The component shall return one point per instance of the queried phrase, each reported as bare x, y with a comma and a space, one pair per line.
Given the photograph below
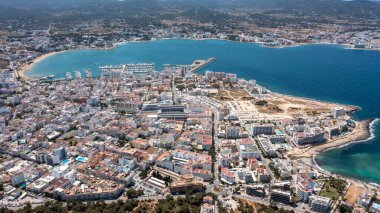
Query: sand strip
24, 69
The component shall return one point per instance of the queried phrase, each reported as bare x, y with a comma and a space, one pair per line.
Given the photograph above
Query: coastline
362, 132
314, 163
311, 161
350, 108
366, 135
25, 68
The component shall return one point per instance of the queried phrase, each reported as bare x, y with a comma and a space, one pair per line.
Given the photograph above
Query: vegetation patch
333, 188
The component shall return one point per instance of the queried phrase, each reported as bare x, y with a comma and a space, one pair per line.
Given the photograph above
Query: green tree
132, 193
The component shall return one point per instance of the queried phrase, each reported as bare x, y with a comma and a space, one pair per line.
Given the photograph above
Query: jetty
199, 64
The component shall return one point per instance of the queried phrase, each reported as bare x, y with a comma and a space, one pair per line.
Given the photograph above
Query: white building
365, 198
17, 178
283, 167
233, 132
40, 184
319, 203
249, 151
309, 136
266, 129
61, 153
338, 112
232, 77
228, 176
375, 207
245, 175
267, 146
60, 171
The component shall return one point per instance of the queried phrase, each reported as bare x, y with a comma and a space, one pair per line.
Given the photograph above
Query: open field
248, 110
296, 106
331, 193
247, 202
3, 63
333, 188
232, 95
353, 193
277, 107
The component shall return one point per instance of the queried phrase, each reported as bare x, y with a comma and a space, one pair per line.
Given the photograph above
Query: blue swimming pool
376, 206
66, 161
82, 159
23, 185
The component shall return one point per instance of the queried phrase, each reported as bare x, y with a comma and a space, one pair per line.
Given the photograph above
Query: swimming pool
278, 132
23, 185
376, 206
82, 159
66, 161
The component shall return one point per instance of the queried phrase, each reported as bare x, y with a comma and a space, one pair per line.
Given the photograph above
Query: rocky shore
362, 132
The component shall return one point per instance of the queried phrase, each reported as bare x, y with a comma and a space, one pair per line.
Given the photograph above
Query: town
22, 48
136, 132
21, 41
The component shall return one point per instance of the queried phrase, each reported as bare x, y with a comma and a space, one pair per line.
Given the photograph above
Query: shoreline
348, 178
363, 132
350, 108
25, 68
369, 135
312, 162
366, 136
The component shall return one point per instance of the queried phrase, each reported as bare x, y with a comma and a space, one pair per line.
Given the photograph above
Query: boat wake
375, 184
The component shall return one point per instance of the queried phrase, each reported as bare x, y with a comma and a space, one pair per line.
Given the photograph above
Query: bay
324, 72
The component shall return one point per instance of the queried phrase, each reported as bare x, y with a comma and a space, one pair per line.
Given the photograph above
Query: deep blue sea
325, 72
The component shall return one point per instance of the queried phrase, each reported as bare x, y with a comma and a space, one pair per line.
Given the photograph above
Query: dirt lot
251, 203
232, 95
352, 193
270, 108
237, 93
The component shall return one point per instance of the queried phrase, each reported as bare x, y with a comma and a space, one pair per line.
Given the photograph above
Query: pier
199, 64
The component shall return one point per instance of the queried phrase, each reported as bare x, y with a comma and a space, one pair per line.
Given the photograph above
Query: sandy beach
23, 70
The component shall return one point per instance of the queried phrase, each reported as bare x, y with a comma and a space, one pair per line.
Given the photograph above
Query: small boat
68, 75
88, 73
77, 74
50, 76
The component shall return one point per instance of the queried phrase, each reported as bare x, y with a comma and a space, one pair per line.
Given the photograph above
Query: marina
324, 72
199, 64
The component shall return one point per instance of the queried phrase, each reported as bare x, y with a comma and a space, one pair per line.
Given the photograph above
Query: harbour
326, 72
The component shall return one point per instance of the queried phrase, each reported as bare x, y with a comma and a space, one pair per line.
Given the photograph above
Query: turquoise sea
325, 72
